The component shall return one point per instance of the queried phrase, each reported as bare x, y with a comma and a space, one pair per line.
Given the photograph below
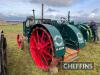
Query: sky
81, 10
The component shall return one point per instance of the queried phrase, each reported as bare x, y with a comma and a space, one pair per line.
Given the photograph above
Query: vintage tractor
3, 54
50, 39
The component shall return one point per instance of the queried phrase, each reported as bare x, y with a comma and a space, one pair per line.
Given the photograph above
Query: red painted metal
78, 49
41, 48
19, 41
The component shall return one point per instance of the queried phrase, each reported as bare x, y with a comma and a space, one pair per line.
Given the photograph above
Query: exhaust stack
42, 15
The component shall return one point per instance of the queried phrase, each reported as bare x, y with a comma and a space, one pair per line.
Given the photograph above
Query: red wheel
19, 41
41, 48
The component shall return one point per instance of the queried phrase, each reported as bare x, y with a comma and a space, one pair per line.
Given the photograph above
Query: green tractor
49, 40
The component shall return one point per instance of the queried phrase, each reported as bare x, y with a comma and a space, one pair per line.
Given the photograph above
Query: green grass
20, 63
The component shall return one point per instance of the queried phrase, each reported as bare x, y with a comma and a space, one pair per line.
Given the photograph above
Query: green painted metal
89, 31
72, 36
86, 31
26, 28
57, 39
27, 25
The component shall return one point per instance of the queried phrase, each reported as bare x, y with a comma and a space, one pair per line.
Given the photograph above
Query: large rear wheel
41, 47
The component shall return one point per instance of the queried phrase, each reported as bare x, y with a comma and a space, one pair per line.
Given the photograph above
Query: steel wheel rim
41, 48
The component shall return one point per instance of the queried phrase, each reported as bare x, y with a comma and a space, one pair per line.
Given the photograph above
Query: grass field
20, 62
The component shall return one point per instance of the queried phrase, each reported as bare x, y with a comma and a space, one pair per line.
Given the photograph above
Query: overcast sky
80, 9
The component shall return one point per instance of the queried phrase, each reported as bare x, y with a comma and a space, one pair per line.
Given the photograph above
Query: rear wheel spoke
34, 41
42, 35
46, 53
45, 59
37, 35
46, 44
47, 47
